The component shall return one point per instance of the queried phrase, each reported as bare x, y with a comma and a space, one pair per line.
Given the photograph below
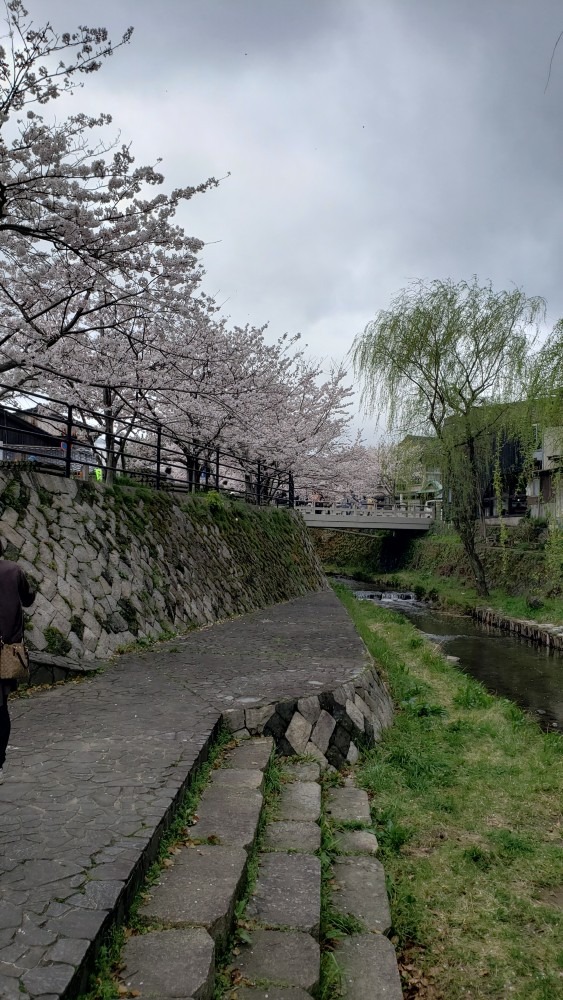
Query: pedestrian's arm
27, 595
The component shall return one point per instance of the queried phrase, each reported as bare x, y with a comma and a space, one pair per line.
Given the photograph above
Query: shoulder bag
14, 661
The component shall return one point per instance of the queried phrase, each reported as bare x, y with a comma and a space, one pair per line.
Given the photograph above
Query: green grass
466, 801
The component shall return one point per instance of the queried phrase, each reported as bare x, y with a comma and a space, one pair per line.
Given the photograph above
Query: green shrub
57, 643
129, 613
76, 626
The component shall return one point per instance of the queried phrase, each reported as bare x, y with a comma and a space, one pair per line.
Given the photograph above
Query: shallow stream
531, 675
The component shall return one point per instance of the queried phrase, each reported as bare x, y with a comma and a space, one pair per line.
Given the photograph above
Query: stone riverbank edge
97, 769
542, 633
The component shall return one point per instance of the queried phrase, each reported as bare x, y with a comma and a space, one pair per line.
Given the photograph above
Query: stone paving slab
293, 836
199, 890
369, 968
93, 769
167, 965
300, 801
356, 842
288, 958
223, 813
283, 652
237, 778
348, 805
303, 772
288, 892
95, 766
359, 891
250, 756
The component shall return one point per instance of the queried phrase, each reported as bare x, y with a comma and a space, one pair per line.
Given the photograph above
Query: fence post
217, 469
291, 490
68, 457
158, 451
259, 484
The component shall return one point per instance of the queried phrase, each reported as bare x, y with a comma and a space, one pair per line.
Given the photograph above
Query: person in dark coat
15, 594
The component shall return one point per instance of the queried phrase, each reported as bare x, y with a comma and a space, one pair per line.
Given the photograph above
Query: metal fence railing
67, 440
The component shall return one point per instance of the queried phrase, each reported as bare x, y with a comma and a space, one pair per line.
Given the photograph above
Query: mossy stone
57, 643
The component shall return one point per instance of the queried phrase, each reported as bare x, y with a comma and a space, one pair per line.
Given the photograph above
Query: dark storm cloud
368, 141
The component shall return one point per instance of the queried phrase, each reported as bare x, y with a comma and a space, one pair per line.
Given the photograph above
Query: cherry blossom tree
100, 300
257, 399
396, 467
81, 232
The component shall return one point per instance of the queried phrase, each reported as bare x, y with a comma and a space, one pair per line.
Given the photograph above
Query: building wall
545, 488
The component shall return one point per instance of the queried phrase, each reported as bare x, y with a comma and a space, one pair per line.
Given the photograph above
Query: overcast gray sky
368, 142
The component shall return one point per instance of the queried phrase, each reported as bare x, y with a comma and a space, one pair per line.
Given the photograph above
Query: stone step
170, 965
272, 993
356, 842
288, 892
227, 815
199, 890
291, 835
236, 777
300, 800
252, 755
348, 805
196, 896
302, 771
359, 891
369, 968
281, 958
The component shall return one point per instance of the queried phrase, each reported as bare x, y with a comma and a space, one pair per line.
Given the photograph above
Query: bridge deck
382, 519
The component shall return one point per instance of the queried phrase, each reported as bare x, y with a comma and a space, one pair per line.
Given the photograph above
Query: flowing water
529, 674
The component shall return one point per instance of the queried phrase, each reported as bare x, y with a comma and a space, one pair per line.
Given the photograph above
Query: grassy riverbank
452, 594
467, 797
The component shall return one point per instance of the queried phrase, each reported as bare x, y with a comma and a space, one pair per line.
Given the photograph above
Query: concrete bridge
400, 517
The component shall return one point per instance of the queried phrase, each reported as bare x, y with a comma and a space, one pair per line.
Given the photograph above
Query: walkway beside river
95, 767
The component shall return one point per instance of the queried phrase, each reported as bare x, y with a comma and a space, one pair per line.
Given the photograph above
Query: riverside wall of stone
543, 633
117, 565
331, 726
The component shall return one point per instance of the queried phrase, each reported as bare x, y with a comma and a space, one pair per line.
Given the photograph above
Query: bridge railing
373, 512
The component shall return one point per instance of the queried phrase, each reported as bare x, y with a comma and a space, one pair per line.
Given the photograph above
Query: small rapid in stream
528, 674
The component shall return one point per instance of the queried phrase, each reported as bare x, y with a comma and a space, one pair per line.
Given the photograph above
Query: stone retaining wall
545, 634
115, 566
329, 726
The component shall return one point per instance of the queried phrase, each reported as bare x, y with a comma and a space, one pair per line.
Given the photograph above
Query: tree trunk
468, 509
478, 572
467, 532
192, 469
111, 457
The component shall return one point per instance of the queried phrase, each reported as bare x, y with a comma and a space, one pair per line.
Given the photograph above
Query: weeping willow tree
547, 379
548, 387
450, 360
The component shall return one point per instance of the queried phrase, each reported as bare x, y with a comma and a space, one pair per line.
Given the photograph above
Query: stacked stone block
366, 959
544, 633
329, 726
285, 907
113, 567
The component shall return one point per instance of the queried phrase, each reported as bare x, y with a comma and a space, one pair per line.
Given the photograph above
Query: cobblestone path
94, 767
